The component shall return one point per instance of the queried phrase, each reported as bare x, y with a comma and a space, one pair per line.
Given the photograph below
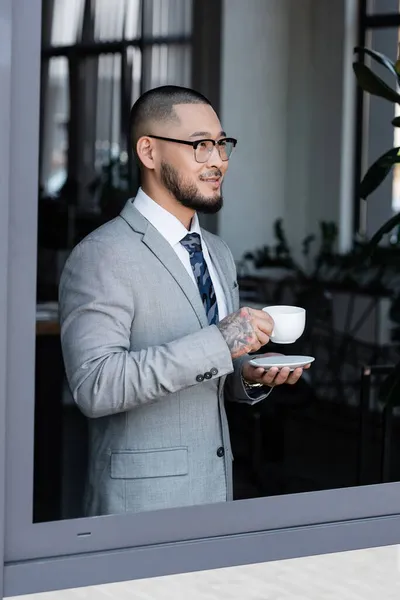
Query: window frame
5, 108
48, 556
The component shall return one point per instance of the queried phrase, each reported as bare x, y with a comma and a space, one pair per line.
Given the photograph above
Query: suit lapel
159, 246
222, 267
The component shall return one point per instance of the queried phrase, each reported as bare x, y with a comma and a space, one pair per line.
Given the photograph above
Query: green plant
280, 254
371, 83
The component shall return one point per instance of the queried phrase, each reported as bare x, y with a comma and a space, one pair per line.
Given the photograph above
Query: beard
187, 194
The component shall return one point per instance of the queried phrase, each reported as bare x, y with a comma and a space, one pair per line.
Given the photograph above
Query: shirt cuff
254, 395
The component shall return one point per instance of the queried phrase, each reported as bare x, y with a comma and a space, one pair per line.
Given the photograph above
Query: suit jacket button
200, 378
220, 452
207, 375
214, 371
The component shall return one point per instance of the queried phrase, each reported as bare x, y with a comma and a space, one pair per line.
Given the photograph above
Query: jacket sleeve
234, 387
96, 314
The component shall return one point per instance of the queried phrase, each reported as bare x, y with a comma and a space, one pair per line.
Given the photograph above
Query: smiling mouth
211, 179
215, 177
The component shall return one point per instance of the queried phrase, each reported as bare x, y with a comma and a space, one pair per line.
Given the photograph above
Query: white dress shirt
174, 231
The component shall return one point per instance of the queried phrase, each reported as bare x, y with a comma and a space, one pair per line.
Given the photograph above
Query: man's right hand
246, 330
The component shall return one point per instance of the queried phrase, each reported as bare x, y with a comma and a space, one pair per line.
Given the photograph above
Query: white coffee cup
289, 323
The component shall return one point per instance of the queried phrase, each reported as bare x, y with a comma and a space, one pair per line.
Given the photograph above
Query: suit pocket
235, 295
146, 464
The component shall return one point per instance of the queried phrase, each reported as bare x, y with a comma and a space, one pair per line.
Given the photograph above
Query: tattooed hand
246, 330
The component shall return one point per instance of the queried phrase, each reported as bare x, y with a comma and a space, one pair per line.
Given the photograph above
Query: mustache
215, 173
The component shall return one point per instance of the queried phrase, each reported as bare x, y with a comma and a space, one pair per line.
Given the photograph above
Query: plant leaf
373, 84
368, 249
378, 171
396, 122
389, 391
376, 238
380, 58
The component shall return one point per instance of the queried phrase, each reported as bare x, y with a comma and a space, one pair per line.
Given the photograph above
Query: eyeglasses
204, 148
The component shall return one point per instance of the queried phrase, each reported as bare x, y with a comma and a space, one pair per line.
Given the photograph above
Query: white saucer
267, 362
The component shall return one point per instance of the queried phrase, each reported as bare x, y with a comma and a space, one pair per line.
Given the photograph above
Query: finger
269, 376
263, 317
254, 374
260, 314
294, 376
258, 374
282, 376
257, 312
262, 337
264, 325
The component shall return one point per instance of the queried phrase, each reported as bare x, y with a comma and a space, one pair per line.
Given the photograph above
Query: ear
146, 151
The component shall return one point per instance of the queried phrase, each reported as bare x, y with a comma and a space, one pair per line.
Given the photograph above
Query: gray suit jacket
145, 366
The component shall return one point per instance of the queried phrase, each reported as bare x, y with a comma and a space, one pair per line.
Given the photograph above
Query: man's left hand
273, 376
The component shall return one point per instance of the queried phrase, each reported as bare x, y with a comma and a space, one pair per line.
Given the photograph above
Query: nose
214, 160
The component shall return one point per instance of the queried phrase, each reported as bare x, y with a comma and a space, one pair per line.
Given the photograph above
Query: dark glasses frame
196, 143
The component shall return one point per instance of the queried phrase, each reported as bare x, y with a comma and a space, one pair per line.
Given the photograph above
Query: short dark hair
157, 105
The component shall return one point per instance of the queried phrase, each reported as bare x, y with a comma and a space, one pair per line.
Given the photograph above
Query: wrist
250, 384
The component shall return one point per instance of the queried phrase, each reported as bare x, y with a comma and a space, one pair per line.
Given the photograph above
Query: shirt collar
166, 223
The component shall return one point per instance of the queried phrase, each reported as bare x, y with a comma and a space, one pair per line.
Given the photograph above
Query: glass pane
173, 447
169, 17
109, 19
54, 149
167, 64
134, 58
117, 20
67, 21
108, 109
382, 6
132, 19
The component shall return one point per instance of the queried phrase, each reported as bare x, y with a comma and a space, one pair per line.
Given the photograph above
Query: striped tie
192, 243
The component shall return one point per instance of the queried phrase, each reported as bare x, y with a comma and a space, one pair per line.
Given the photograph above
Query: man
151, 330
